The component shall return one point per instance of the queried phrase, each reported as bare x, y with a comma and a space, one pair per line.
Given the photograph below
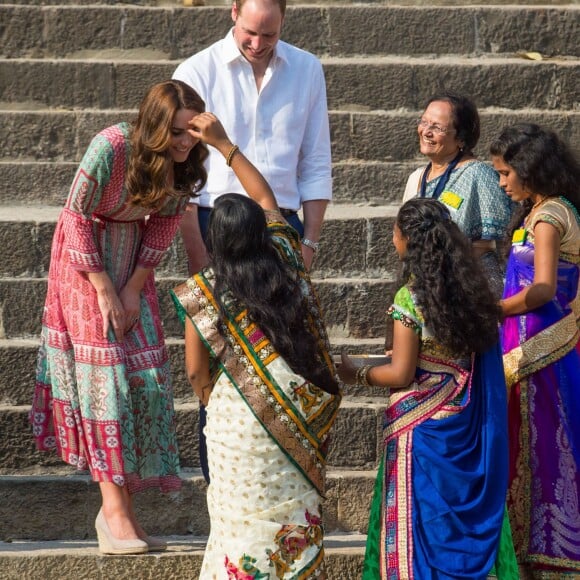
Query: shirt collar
231, 52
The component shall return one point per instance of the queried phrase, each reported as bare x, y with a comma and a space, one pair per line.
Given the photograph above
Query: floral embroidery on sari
292, 541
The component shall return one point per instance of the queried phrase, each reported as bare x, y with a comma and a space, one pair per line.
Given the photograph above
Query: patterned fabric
542, 361
103, 405
440, 491
267, 432
478, 206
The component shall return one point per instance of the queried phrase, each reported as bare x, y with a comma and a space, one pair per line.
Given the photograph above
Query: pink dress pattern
104, 405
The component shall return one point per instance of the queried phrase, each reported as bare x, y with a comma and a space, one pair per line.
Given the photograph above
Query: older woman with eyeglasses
448, 133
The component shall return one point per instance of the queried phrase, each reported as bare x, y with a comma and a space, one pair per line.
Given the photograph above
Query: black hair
544, 163
250, 272
451, 290
465, 117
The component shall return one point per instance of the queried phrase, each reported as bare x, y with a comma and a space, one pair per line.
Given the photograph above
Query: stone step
47, 183
196, 4
365, 247
389, 137
355, 441
18, 364
353, 307
330, 29
355, 83
354, 277
63, 507
74, 560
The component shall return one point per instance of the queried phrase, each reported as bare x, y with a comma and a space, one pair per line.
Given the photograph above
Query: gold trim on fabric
300, 436
541, 350
436, 403
404, 538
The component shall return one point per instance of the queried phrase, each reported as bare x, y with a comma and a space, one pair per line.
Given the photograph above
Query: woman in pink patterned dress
103, 396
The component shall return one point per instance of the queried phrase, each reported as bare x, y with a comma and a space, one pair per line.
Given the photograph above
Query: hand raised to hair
208, 128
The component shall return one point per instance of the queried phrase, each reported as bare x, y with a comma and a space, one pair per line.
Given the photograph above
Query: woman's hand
347, 370
208, 129
112, 312
131, 300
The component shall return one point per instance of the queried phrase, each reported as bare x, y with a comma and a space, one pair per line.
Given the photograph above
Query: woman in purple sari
540, 341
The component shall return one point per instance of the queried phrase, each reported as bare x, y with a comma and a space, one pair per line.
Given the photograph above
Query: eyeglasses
435, 129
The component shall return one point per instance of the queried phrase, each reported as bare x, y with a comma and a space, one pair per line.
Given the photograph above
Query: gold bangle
231, 154
362, 376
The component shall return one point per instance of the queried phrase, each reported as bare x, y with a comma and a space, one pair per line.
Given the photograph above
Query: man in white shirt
271, 99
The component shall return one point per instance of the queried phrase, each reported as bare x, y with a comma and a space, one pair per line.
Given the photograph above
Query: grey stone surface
328, 29
123, 28
348, 499
354, 442
80, 560
364, 84
21, 303
401, 30
51, 507
550, 32
379, 136
90, 68
18, 364
371, 84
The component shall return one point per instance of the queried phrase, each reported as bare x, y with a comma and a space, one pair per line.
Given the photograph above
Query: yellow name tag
451, 199
519, 236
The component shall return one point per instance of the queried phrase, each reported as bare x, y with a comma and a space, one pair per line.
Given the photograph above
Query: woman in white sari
257, 356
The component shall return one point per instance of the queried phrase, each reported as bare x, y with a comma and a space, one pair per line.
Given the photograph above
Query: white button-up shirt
283, 129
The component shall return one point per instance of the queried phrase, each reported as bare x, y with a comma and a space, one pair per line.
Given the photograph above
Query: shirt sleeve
404, 310
315, 164
91, 178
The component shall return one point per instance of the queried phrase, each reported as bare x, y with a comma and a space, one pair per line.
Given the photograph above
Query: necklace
533, 210
540, 202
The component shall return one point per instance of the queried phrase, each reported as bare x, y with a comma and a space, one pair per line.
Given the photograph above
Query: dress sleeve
159, 232
404, 310
552, 213
490, 209
91, 179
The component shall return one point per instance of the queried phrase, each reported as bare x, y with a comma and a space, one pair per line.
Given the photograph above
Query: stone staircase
67, 70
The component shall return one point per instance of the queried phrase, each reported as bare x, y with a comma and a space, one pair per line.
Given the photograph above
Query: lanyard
442, 180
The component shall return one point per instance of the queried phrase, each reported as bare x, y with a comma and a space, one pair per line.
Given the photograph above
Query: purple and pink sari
542, 365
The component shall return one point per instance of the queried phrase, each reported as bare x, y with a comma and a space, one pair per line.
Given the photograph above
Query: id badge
519, 236
451, 199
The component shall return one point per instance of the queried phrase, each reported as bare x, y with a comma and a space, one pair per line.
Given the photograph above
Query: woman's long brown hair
149, 161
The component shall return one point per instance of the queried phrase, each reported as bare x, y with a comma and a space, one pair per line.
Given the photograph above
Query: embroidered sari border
543, 349
310, 428
258, 365
434, 401
260, 391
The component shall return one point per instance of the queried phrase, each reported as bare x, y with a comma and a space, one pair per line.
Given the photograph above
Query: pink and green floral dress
104, 405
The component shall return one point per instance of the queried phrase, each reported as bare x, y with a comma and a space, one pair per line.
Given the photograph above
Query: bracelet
310, 244
362, 376
231, 154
